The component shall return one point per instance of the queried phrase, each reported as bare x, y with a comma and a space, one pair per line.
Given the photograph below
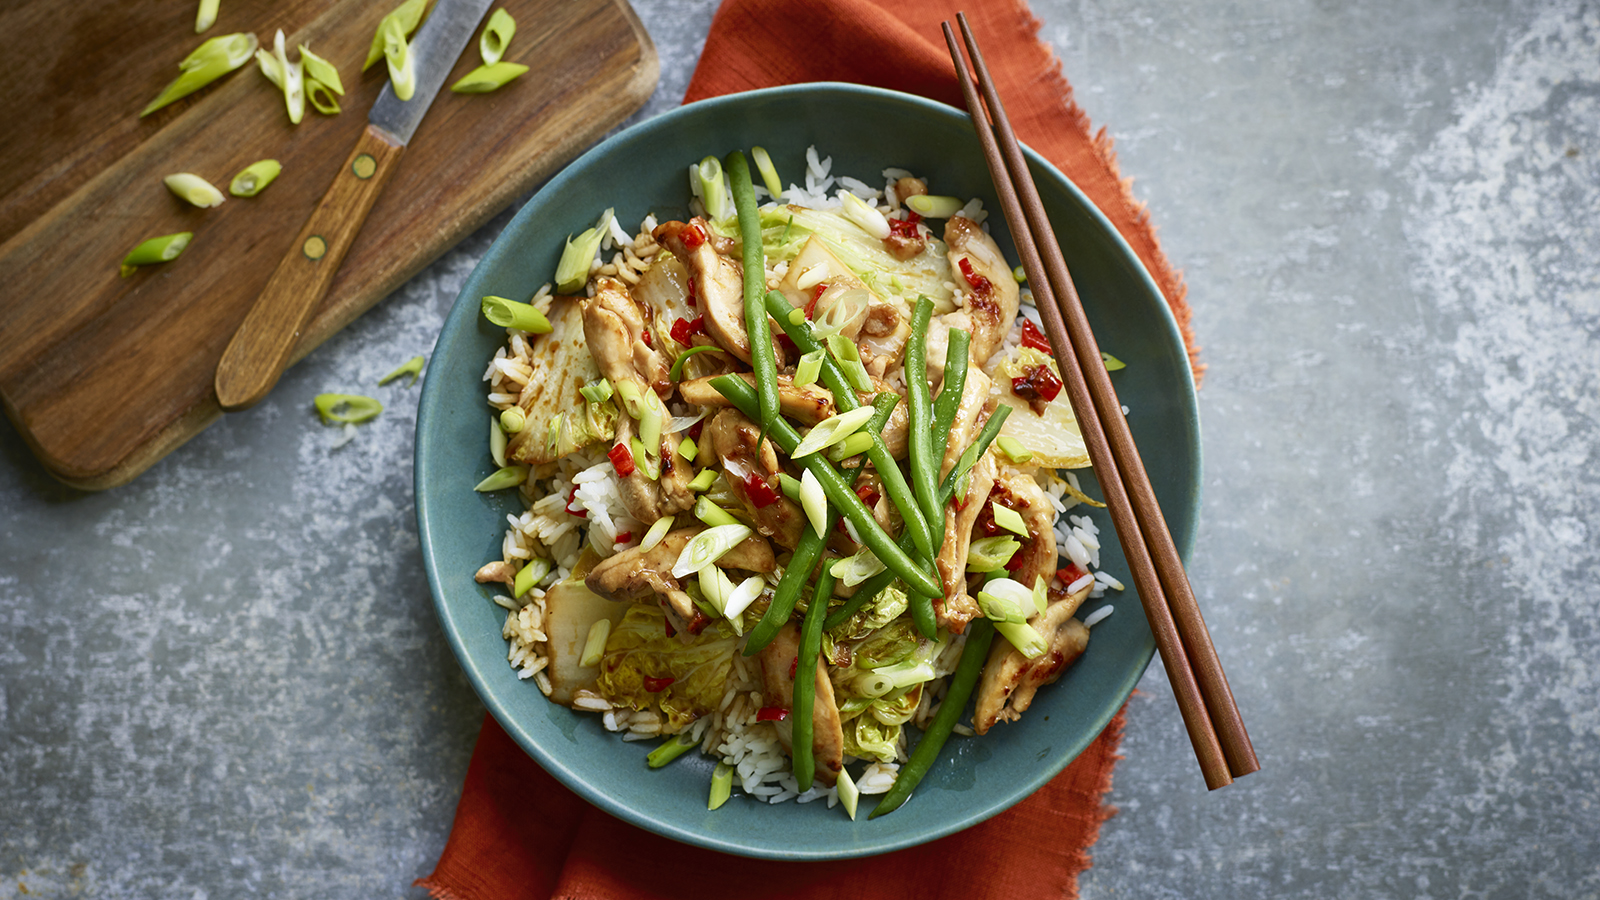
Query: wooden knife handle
260, 349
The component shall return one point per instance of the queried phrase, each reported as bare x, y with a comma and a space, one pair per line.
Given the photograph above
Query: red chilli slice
760, 491
621, 460
772, 714
623, 538
683, 330
657, 685
981, 286
1032, 338
692, 236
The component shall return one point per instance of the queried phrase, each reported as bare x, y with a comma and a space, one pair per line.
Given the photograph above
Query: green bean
844, 399
806, 553
742, 396
763, 359
924, 468
979, 635
955, 381
921, 607
805, 681
969, 457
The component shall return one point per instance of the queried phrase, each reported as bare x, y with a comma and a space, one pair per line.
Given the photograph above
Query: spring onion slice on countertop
254, 178
156, 250
496, 35
208, 62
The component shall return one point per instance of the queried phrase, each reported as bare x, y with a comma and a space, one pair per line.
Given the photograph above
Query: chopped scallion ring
511, 314
676, 373
650, 427
856, 210
857, 443
1019, 275
402, 65
529, 576
291, 77
595, 645
848, 795
488, 78
790, 486
497, 441
156, 250
1009, 519
849, 360
1004, 600
809, 369
648, 463
796, 316
852, 570
721, 786
657, 532
832, 430
254, 178
1112, 363
1024, 637
320, 69
670, 749
769, 175
931, 207
206, 15
716, 586
741, 598
208, 62
503, 477
596, 391
322, 99
703, 481
991, 553
708, 546
814, 502
712, 514
408, 14
1013, 450
412, 367
496, 35
572, 272
713, 188
512, 420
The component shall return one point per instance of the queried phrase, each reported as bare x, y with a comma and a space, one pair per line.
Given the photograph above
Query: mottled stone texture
226, 680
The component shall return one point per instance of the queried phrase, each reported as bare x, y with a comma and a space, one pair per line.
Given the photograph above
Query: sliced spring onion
512, 419
595, 646
1009, 519
648, 463
814, 502
856, 210
656, 533
156, 250
854, 569
808, 369
208, 62
688, 448
408, 14
716, 586
721, 786
291, 78
744, 595
991, 553
511, 314
552, 433
712, 514
676, 373
713, 188
1041, 595
572, 272
650, 428
1112, 363
849, 360
488, 78
790, 486
320, 69
322, 99
1004, 600
351, 408
931, 207
769, 175
703, 480
530, 575
708, 546
412, 367
857, 443
832, 430
254, 178
269, 67
503, 477
796, 316
596, 391
1024, 637
402, 64
496, 35
670, 749
1013, 450
497, 441
206, 15
848, 795
905, 674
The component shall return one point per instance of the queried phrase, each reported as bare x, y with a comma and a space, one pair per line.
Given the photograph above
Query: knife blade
260, 349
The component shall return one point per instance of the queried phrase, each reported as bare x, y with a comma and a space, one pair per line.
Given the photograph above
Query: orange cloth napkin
519, 833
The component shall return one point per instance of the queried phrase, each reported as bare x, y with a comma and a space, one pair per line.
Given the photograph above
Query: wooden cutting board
105, 375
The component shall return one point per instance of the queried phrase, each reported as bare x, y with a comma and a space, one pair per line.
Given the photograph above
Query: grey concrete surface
225, 679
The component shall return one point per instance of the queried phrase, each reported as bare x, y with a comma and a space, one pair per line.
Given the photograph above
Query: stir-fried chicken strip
957, 608
1017, 490
1011, 679
718, 283
614, 330
734, 440
778, 660
645, 576
992, 296
809, 403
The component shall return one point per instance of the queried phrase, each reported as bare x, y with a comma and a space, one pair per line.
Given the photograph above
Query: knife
260, 349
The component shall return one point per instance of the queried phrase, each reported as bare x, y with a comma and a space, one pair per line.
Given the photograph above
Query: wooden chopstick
1206, 702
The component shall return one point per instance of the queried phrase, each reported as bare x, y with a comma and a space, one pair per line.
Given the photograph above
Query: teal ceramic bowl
642, 170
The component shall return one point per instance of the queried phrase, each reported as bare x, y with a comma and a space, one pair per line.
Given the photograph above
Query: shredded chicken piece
1011, 679
809, 403
990, 311
957, 608
645, 576
778, 659
1017, 490
718, 282
734, 440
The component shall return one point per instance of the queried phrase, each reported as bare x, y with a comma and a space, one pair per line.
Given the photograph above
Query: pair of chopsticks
1204, 698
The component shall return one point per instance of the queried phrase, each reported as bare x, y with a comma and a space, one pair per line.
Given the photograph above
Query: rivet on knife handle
261, 348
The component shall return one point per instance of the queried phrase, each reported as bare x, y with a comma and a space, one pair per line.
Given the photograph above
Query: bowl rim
476, 675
